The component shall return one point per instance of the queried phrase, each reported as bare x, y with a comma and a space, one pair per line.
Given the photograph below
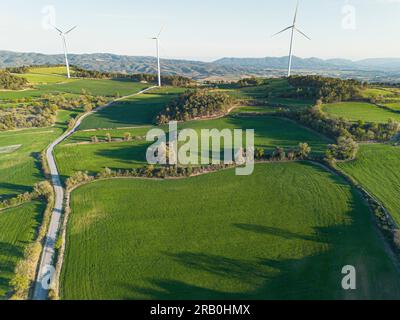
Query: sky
204, 29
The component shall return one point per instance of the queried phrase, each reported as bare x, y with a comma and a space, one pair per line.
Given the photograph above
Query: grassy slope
21, 169
376, 168
284, 232
17, 228
135, 111
269, 133
354, 111
53, 80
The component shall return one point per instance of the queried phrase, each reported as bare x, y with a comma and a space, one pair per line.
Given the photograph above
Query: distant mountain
225, 68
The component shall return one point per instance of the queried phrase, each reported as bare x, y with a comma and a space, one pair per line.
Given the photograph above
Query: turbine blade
161, 30
282, 31
302, 33
57, 29
71, 29
295, 14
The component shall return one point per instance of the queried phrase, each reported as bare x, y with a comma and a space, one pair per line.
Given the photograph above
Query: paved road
46, 262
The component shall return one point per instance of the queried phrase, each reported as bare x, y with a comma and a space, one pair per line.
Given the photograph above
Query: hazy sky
205, 29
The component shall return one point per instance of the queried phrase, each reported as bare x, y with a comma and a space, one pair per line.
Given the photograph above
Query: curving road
46, 267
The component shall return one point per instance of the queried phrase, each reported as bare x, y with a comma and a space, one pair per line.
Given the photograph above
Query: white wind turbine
293, 27
157, 38
63, 37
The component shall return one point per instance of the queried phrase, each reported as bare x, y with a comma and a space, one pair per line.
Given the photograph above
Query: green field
53, 80
377, 169
17, 229
395, 106
269, 133
21, 168
135, 111
109, 88
283, 233
354, 111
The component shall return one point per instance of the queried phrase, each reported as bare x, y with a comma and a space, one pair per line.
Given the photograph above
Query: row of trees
19, 70
318, 120
250, 82
9, 81
302, 152
176, 81
195, 104
326, 89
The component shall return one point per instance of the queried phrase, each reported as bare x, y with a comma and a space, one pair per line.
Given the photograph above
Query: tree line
176, 80
195, 104
328, 90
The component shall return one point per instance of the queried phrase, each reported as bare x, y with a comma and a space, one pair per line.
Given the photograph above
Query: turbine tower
64, 40
294, 28
157, 38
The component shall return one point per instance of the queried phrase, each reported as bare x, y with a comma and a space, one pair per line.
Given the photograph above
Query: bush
345, 149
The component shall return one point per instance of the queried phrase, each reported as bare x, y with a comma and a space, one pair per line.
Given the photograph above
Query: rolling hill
369, 69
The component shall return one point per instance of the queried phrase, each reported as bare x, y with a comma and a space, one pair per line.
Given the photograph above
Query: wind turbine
294, 28
63, 37
157, 38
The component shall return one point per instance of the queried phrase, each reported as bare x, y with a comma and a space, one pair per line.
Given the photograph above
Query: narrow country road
46, 267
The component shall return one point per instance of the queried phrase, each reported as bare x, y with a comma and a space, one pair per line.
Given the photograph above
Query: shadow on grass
313, 276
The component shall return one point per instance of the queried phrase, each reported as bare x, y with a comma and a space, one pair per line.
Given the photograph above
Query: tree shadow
128, 154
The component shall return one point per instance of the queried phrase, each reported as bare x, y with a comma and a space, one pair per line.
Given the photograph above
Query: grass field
53, 80
269, 133
135, 111
395, 106
377, 169
283, 233
21, 169
355, 111
17, 229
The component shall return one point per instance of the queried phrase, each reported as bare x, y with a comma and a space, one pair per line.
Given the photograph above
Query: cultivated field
284, 232
355, 111
20, 169
377, 169
269, 133
18, 228
135, 111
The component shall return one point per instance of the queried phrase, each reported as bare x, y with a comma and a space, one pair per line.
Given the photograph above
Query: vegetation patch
11, 82
196, 104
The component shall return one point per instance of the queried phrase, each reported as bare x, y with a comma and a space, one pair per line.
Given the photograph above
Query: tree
259, 153
279, 154
127, 137
303, 151
345, 149
43, 189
